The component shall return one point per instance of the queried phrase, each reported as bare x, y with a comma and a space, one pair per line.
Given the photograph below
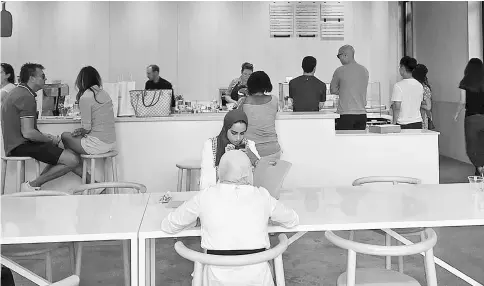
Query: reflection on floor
312, 260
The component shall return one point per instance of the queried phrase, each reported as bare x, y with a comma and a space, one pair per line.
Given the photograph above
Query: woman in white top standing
8, 80
231, 137
97, 134
234, 217
407, 97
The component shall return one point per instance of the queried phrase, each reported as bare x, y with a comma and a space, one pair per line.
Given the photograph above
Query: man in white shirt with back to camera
407, 97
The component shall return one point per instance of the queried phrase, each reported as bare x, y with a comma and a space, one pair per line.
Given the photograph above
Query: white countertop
375, 206
71, 218
403, 132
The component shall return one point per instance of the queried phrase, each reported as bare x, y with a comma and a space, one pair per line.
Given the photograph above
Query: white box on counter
385, 128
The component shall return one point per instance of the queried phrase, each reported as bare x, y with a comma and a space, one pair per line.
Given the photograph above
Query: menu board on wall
307, 19
281, 19
332, 21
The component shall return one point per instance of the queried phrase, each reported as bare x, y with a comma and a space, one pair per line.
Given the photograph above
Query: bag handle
153, 103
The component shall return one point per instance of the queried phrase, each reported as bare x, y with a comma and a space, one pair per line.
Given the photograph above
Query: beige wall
441, 35
199, 46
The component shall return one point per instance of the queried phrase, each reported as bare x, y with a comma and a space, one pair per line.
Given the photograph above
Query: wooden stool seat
92, 158
186, 166
378, 277
20, 174
99, 156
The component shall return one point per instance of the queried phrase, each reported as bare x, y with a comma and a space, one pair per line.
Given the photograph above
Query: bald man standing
350, 82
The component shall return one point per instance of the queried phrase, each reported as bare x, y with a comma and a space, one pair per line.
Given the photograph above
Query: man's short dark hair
409, 63
247, 66
154, 68
259, 81
308, 64
28, 70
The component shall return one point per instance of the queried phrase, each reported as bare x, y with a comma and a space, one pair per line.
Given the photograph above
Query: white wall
199, 46
441, 35
474, 15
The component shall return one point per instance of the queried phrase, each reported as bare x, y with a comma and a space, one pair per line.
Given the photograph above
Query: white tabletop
366, 207
71, 218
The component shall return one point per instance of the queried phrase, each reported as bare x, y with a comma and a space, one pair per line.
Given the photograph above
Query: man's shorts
45, 152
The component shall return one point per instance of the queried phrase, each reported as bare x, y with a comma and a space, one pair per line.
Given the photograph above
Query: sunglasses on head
338, 55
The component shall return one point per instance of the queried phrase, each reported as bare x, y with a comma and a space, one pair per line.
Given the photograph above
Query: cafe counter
150, 148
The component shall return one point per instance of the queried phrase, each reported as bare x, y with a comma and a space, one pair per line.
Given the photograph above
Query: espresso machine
50, 99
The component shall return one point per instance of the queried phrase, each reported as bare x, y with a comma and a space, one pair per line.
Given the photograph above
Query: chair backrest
37, 194
353, 247
88, 189
386, 179
31, 276
202, 259
271, 176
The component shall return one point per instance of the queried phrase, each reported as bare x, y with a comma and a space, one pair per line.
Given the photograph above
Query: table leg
143, 262
134, 261
152, 261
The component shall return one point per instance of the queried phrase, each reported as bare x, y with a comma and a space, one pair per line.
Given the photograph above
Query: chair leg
37, 168
48, 266
189, 180
114, 169
72, 256
78, 258
4, 173
106, 170
400, 260
126, 266
20, 174
352, 235
84, 171
180, 180
93, 171
388, 259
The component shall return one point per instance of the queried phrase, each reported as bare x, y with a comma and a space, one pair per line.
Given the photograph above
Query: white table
341, 208
74, 218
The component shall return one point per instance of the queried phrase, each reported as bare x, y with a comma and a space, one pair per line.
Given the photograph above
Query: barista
238, 86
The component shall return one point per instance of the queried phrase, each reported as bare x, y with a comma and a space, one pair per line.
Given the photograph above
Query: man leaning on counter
307, 92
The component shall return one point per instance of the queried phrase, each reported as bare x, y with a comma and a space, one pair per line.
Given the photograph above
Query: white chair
69, 281
416, 231
44, 249
387, 277
89, 190
20, 172
201, 259
104, 157
187, 167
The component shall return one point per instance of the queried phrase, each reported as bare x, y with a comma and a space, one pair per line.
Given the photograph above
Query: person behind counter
231, 137
407, 97
238, 86
234, 216
307, 92
420, 74
22, 138
350, 82
97, 134
472, 98
8, 80
155, 82
261, 109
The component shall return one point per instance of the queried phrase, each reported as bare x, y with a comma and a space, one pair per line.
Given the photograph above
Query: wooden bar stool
189, 166
93, 158
20, 173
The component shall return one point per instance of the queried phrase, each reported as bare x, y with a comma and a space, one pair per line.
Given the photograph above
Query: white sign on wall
281, 20
307, 19
332, 21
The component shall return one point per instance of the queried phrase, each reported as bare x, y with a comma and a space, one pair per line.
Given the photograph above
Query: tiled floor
312, 260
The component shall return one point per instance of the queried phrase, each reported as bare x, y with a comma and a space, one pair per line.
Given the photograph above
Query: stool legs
189, 180
4, 173
84, 171
93, 171
37, 168
20, 174
180, 180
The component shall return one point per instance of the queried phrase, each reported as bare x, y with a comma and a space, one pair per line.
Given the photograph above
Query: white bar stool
93, 158
20, 173
188, 167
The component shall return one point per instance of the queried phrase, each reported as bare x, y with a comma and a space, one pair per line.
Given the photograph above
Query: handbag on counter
431, 124
151, 103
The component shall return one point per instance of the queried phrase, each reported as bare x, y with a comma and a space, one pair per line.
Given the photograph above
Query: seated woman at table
234, 216
261, 109
231, 137
97, 134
